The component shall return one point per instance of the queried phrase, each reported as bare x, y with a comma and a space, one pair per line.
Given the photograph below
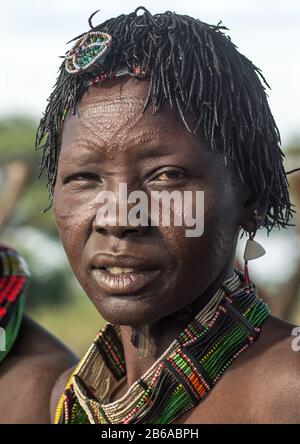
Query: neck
164, 331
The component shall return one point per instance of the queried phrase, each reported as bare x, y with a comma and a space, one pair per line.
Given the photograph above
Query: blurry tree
23, 196
17, 135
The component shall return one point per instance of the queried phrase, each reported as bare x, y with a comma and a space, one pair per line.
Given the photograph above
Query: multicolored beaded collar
13, 272
180, 379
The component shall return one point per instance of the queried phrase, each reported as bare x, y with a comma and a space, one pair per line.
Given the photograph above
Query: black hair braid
199, 71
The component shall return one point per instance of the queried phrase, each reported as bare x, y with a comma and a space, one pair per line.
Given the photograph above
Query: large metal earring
253, 249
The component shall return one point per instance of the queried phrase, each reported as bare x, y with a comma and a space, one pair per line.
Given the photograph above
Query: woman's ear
253, 202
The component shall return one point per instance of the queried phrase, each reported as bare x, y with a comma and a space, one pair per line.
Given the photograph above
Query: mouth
117, 275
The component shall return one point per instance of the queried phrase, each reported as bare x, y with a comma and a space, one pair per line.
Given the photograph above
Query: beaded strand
184, 373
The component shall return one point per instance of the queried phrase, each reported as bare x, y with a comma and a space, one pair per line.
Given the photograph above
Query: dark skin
28, 373
113, 142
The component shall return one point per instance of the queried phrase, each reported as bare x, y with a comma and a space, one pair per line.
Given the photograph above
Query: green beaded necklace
180, 378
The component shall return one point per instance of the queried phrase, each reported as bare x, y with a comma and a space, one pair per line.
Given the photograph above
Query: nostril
120, 231
101, 230
129, 232
133, 231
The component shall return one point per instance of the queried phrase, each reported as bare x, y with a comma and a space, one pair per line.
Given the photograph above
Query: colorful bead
182, 376
88, 50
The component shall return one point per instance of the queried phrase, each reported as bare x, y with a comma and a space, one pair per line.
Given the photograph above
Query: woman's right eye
82, 177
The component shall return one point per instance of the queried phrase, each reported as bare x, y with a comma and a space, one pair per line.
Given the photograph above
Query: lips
123, 275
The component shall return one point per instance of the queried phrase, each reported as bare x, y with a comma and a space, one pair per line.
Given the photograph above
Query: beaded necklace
180, 378
13, 272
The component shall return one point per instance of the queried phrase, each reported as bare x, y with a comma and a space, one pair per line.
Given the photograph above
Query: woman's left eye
169, 175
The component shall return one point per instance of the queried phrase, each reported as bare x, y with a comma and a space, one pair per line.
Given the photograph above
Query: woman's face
110, 141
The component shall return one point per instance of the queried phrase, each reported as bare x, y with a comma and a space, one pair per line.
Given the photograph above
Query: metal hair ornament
90, 48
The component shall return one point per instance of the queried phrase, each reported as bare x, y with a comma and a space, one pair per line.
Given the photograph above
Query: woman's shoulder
29, 373
280, 341
262, 385
273, 371
58, 390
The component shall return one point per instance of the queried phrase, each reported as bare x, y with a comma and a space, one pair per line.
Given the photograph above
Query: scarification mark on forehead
97, 106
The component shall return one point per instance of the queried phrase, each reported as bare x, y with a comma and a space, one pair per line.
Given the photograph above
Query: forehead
112, 114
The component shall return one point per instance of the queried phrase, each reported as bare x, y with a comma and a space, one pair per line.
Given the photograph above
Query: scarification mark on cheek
80, 215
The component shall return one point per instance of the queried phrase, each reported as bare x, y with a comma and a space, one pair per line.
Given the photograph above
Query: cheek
205, 254
220, 223
74, 218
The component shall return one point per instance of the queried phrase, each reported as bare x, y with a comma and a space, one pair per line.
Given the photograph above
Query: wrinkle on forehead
112, 117
126, 99
98, 106
107, 139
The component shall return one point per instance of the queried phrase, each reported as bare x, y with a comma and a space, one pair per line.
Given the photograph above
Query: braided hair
199, 71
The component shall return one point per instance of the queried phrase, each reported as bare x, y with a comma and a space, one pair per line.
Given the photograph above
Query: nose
115, 222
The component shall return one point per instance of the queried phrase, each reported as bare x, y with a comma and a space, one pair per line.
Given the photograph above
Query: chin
129, 311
